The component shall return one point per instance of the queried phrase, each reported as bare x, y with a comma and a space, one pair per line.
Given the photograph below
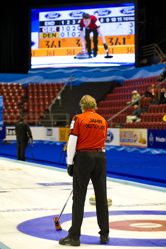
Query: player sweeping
91, 24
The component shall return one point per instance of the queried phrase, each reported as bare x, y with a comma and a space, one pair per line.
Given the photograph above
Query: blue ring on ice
44, 228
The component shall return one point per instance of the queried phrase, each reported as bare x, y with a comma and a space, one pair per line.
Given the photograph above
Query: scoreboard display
55, 36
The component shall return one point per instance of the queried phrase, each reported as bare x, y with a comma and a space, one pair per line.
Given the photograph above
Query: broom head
57, 224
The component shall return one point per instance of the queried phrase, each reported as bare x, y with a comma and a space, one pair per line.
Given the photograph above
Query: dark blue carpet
133, 166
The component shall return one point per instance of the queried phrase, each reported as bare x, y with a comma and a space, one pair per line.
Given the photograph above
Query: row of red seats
10, 97
11, 116
11, 86
13, 119
122, 102
126, 112
36, 107
45, 85
142, 84
31, 107
129, 95
151, 117
120, 119
13, 101
34, 92
33, 119
113, 106
40, 110
116, 96
111, 113
157, 108
12, 92
8, 105
50, 96
146, 125
16, 111
138, 81
129, 90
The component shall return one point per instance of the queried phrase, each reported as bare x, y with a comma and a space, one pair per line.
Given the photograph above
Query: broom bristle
108, 56
57, 224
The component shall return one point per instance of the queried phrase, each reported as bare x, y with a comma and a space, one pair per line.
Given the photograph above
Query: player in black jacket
23, 134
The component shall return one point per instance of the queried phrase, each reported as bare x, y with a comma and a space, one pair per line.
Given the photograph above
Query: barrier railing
58, 97
53, 119
152, 50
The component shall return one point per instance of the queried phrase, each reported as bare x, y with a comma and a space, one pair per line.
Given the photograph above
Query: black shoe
95, 54
104, 239
69, 242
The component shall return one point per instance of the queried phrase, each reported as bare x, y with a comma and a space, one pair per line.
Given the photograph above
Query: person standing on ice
86, 160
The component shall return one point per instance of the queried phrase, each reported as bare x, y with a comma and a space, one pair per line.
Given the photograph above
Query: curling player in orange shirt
86, 160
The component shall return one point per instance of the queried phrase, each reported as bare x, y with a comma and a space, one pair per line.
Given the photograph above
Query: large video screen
84, 36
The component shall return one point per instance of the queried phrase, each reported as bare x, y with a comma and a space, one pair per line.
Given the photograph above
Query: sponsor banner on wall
10, 133
133, 137
112, 136
37, 133
157, 139
63, 134
51, 134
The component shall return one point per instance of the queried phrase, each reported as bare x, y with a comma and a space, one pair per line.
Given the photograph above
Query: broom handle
65, 205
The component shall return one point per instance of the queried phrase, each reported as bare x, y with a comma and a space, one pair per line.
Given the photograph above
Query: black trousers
162, 100
88, 40
89, 165
148, 94
21, 148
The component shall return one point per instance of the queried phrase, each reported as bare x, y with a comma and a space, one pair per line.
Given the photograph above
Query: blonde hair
88, 102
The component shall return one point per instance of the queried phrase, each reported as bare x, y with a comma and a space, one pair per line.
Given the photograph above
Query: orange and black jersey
91, 130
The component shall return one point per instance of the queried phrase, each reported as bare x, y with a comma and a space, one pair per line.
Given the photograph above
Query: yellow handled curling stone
92, 201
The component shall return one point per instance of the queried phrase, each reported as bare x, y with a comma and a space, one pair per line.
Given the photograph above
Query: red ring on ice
127, 225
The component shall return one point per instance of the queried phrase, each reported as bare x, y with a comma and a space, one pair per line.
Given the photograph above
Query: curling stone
82, 55
92, 201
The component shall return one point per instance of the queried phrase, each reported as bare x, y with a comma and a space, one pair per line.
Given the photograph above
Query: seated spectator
162, 75
151, 92
162, 96
148, 93
134, 116
135, 97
